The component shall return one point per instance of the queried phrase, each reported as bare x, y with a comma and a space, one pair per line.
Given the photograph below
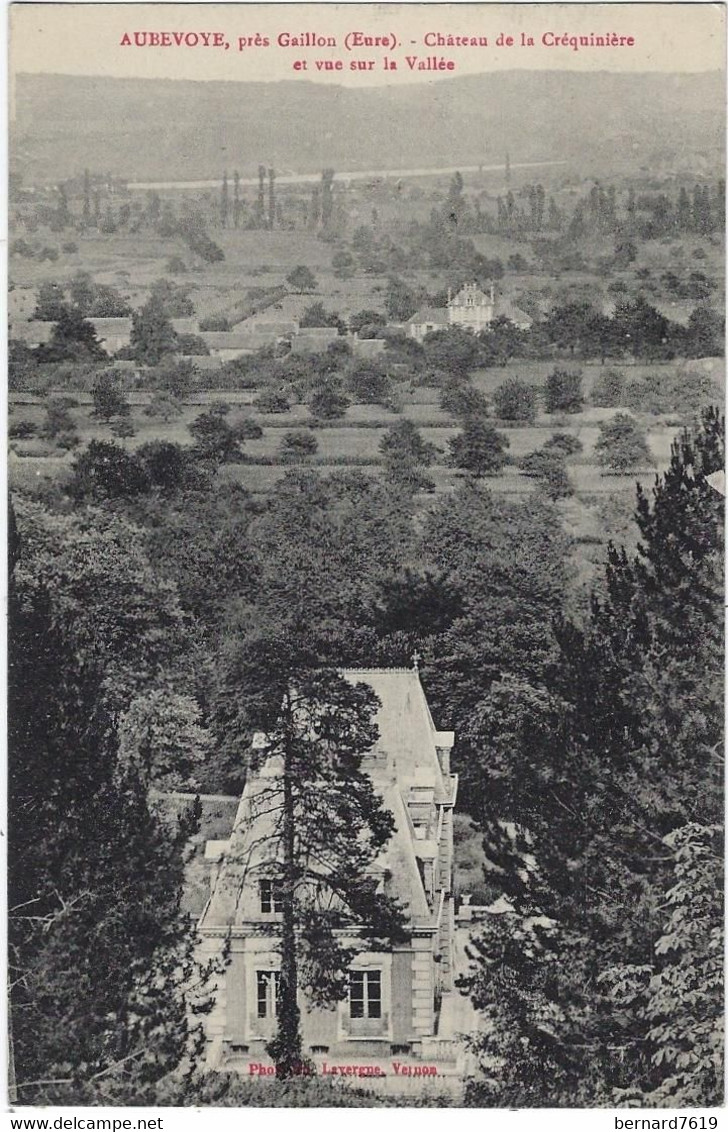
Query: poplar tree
236, 199
224, 203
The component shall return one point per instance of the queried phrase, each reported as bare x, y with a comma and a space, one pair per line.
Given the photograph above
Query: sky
88, 39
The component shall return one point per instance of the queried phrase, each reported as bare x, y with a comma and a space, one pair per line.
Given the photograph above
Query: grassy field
347, 439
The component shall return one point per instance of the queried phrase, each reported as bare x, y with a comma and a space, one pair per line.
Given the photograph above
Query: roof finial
416, 658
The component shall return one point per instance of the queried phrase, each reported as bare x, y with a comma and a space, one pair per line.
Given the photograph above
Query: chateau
402, 1011
470, 308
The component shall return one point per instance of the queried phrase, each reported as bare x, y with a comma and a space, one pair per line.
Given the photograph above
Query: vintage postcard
366, 468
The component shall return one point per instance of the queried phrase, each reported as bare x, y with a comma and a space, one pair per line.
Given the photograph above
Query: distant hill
146, 129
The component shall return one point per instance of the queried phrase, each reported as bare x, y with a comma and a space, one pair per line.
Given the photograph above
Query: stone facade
396, 998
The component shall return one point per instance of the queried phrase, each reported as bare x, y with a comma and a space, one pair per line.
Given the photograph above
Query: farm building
314, 339
113, 333
427, 320
400, 1002
230, 344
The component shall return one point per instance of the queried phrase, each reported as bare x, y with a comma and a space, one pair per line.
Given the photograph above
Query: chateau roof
404, 768
470, 295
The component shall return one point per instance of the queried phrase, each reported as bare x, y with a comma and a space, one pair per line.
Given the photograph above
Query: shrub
215, 322
514, 400
563, 443
123, 429
329, 403
479, 448
298, 444
609, 390
463, 400
622, 445
21, 430
68, 440
272, 401
563, 392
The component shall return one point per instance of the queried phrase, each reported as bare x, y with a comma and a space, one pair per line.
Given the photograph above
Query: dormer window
271, 896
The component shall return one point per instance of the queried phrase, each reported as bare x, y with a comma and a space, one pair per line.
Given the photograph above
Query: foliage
167, 465
100, 953
563, 392
317, 315
514, 400
405, 455
58, 417
369, 384
479, 448
192, 345
105, 470
563, 444
109, 400
152, 333
298, 444
215, 322
622, 444
608, 390
455, 351
301, 279
73, 338
163, 405
588, 781
272, 401
216, 440
462, 399
329, 402
321, 733
162, 742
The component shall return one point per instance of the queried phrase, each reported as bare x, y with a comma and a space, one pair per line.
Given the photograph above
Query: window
365, 994
267, 991
271, 896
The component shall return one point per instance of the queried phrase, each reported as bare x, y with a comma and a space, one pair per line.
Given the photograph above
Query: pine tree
592, 785
330, 826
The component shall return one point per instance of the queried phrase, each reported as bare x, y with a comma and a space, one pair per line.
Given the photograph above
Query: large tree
152, 333
329, 826
479, 448
100, 953
598, 788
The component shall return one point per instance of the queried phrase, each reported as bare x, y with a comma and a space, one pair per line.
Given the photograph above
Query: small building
113, 333
314, 339
402, 1004
504, 308
276, 327
471, 308
230, 344
426, 321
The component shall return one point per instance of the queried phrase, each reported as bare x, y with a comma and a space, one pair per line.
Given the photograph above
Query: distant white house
470, 308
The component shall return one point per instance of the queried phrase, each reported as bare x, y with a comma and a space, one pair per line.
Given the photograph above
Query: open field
353, 436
